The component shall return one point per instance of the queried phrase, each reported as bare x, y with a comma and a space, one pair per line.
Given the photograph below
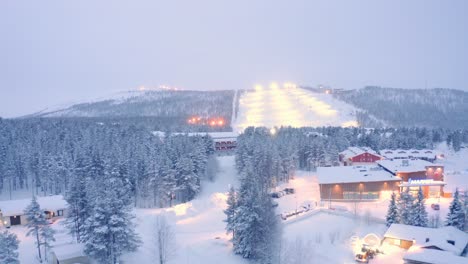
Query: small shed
69, 254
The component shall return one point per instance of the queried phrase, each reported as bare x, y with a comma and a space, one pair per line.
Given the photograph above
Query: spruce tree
256, 226
456, 215
465, 207
419, 212
36, 221
8, 248
405, 207
187, 181
392, 213
77, 199
109, 229
47, 235
230, 210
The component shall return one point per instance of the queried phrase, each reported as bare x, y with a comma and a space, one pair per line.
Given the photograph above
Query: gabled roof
350, 174
434, 256
427, 237
17, 207
69, 251
408, 153
356, 151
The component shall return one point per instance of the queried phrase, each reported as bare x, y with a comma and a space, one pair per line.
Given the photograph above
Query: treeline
411, 210
437, 108
46, 155
277, 155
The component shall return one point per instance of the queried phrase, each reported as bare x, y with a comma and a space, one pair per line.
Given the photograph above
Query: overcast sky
54, 52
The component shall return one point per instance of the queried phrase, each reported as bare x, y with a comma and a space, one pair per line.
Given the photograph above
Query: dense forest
442, 108
48, 155
277, 155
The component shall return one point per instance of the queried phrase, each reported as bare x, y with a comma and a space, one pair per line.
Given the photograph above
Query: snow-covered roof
406, 165
434, 256
426, 237
349, 174
214, 135
408, 153
47, 203
355, 151
69, 251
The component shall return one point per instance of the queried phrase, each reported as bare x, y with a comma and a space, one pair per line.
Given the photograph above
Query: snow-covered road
291, 106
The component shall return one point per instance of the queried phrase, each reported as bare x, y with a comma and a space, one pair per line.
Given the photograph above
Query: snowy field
275, 106
199, 226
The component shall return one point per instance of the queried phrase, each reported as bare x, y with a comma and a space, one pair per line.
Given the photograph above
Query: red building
358, 156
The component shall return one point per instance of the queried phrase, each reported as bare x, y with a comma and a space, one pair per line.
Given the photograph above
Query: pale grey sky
52, 52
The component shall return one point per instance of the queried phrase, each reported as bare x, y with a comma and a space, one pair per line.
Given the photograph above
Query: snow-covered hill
292, 106
160, 103
445, 108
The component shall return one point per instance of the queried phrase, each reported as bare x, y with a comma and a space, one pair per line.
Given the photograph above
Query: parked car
276, 195
361, 258
289, 190
435, 207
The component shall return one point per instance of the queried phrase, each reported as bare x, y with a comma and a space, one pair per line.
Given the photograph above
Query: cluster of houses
428, 245
365, 174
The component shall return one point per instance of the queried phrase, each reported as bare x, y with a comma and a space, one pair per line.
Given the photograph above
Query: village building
428, 245
358, 156
224, 142
424, 154
416, 173
69, 254
12, 211
356, 183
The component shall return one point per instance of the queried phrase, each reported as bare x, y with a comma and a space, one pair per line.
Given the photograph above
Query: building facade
12, 211
356, 183
358, 156
415, 174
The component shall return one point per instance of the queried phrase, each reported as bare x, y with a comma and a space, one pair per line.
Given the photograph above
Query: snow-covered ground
296, 107
201, 237
199, 228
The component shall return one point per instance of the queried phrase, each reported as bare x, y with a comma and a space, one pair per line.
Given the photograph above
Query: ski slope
292, 106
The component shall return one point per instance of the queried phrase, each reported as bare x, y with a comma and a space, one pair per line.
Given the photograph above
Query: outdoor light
273, 131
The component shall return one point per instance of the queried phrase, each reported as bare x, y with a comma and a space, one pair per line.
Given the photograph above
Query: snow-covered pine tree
254, 221
420, 217
465, 207
35, 222
230, 210
47, 236
77, 199
405, 207
456, 215
392, 213
8, 248
187, 181
168, 183
109, 229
